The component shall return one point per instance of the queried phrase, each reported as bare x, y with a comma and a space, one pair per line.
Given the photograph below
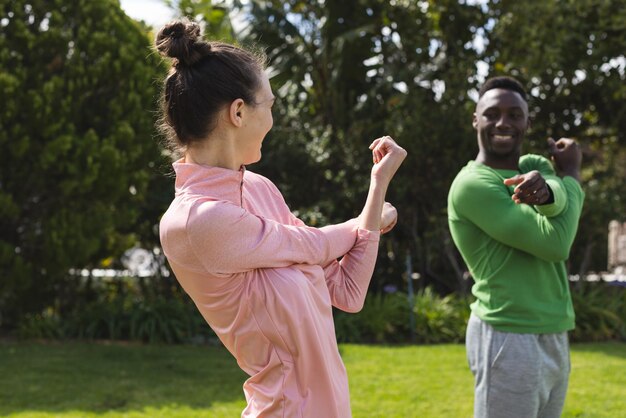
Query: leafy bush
386, 319
47, 325
154, 320
440, 319
165, 321
124, 314
600, 312
383, 319
76, 139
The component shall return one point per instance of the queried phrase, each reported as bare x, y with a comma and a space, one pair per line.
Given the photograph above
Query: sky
153, 12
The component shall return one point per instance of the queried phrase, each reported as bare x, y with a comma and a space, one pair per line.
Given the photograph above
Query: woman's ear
236, 111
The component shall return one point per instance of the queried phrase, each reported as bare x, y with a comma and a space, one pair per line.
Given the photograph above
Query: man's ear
529, 124
474, 120
236, 112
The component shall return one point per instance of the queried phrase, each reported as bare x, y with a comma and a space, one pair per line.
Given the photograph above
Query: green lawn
88, 380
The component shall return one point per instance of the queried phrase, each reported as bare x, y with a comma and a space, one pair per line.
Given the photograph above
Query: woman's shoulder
263, 182
198, 212
206, 208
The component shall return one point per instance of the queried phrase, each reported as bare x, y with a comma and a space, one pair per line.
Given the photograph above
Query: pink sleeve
348, 279
228, 239
329, 229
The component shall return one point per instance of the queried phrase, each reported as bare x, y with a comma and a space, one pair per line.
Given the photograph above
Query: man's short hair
502, 82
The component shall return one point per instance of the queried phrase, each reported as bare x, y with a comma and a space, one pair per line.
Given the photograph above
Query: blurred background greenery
83, 178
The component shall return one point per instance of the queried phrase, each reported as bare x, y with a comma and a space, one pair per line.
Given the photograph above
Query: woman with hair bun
263, 280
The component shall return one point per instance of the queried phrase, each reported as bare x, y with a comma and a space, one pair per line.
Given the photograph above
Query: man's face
501, 121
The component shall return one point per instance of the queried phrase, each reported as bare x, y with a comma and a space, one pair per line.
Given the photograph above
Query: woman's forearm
371, 214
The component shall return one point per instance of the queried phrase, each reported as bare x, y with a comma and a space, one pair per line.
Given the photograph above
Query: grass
71, 380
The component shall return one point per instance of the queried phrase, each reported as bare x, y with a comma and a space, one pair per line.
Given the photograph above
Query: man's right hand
567, 156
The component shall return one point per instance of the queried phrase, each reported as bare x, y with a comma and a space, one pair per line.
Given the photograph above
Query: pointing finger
517, 179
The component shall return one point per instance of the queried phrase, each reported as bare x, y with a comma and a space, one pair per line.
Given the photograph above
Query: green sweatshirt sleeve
531, 162
481, 198
560, 198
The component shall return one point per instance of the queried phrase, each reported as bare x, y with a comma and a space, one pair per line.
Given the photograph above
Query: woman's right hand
388, 157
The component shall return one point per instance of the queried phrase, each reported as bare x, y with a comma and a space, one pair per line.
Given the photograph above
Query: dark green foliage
383, 319
600, 312
121, 312
570, 55
386, 319
78, 88
81, 178
440, 319
347, 72
214, 15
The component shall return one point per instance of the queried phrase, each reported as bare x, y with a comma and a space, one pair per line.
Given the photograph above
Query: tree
570, 54
214, 15
347, 72
76, 136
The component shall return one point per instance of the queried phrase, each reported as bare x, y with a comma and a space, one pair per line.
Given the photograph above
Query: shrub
76, 139
440, 319
385, 318
47, 325
600, 312
152, 320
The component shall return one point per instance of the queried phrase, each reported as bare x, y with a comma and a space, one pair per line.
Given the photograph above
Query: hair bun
181, 40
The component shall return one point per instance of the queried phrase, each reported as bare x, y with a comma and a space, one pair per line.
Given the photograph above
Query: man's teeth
502, 137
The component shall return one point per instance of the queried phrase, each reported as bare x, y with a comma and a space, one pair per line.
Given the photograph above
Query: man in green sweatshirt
513, 219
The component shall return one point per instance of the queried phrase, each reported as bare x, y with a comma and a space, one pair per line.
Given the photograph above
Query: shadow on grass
616, 349
98, 377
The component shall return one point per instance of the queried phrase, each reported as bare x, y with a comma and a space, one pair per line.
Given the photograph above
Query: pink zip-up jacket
266, 283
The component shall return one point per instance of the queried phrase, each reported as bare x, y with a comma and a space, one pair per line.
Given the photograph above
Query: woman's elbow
351, 306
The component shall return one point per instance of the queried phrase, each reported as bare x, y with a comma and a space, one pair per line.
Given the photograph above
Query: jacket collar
212, 182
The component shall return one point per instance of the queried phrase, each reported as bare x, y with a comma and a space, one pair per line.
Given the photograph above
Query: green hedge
385, 318
157, 320
600, 316
125, 308
600, 312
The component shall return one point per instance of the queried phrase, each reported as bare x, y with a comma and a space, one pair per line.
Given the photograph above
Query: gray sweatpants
517, 375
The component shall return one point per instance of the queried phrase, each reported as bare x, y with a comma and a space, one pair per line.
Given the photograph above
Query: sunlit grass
72, 380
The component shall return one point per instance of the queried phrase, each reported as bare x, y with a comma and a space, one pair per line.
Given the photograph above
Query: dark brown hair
204, 77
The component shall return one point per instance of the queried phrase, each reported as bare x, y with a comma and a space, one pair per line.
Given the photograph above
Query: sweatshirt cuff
560, 199
367, 235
